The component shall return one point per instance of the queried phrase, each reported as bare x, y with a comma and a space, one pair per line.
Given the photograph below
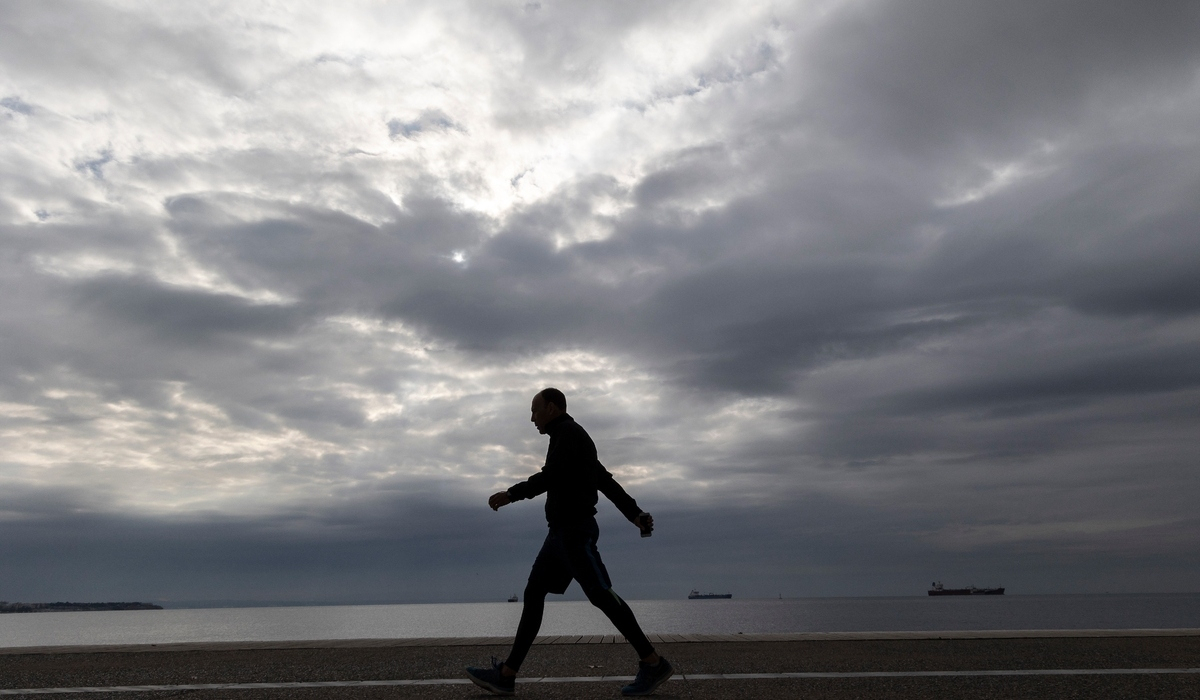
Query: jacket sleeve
608, 486
534, 486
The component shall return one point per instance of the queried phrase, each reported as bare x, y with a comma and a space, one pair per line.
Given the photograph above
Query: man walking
571, 478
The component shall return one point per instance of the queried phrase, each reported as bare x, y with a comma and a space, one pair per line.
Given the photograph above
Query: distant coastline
6, 607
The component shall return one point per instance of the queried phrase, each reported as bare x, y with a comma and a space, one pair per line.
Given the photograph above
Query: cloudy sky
852, 294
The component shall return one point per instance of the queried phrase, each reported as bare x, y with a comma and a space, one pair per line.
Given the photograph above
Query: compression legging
604, 598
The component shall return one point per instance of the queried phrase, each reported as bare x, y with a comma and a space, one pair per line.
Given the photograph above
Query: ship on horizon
939, 589
697, 595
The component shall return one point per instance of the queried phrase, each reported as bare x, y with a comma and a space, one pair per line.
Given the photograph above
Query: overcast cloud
852, 295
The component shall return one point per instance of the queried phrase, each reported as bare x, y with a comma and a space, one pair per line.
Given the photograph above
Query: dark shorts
570, 553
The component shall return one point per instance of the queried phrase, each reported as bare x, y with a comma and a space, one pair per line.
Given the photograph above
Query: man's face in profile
543, 413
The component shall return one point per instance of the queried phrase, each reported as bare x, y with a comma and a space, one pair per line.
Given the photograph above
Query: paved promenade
1038, 664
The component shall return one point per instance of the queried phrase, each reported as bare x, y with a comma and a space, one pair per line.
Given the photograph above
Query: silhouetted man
570, 480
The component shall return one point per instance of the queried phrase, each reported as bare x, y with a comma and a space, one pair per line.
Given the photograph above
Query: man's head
547, 405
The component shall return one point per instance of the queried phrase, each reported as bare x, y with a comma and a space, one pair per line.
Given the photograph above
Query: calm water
569, 617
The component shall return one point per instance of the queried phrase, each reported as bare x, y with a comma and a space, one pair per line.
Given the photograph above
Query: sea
1008, 612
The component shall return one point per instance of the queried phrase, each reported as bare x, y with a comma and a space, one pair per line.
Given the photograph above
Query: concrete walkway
981, 664
599, 639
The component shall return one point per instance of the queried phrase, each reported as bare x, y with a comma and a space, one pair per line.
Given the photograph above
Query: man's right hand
499, 499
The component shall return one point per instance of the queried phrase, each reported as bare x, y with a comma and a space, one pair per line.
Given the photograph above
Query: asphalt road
256, 665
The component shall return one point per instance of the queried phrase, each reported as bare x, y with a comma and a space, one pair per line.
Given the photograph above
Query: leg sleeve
588, 569
550, 574
527, 628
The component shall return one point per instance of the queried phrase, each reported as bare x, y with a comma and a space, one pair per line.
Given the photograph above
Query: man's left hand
499, 499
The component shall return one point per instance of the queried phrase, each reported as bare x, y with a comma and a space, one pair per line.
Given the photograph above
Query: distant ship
697, 595
513, 598
939, 589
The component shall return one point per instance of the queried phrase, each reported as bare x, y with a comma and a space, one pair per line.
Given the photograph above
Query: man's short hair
554, 396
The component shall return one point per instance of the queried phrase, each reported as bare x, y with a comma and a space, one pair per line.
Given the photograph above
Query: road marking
609, 679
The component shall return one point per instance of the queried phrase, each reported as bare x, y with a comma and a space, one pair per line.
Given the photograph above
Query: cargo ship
697, 595
939, 589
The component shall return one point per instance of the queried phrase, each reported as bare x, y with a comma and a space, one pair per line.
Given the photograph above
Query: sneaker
649, 678
491, 679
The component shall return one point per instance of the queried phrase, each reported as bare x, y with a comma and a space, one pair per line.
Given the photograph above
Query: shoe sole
489, 687
654, 687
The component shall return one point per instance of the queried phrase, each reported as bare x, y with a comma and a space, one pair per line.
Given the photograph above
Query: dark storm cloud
324, 256
496, 298
701, 169
1069, 379
516, 292
1111, 233
377, 550
183, 315
973, 78
913, 288
750, 325
406, 549
930, 77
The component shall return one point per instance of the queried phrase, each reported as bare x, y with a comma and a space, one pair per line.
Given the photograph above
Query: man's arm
608, 486
534, 486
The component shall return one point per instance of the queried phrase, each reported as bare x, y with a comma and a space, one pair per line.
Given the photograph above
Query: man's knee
603, 598
535, 591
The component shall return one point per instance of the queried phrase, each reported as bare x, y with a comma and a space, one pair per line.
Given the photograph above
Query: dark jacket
571, 478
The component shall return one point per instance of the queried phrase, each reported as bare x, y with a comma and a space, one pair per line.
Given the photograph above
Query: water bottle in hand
645, 524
